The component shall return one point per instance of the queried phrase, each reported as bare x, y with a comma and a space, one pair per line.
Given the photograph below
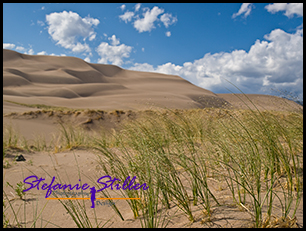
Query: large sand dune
72, 82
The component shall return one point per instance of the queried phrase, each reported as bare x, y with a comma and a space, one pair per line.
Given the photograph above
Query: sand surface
73, 83
64, 165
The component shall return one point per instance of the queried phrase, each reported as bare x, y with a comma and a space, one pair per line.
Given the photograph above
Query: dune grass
250, 150
258, 154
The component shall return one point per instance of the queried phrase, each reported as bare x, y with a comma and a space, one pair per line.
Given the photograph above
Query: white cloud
91, 21
168, 33
114, 53
289, 8
57, 55
122, 7
147, 22
30, 52
244, 9
276, 63
87, 59
66, 27
24, 50
79, 47
114, 40
127, 16
168, 68
20, 49
8, 46
143, 67
168, 19
42, 53
137, 7
92, 36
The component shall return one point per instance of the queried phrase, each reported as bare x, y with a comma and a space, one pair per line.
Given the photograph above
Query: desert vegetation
187, 158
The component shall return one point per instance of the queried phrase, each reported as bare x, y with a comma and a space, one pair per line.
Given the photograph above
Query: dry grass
256, 157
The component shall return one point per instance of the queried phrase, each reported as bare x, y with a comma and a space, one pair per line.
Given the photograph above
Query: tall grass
251, 150
68, 137
10, 137
258, 154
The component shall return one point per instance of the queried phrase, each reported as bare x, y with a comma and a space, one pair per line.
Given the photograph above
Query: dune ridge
72, 82
38, 78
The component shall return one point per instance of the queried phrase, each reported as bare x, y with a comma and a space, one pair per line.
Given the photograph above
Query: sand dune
52, 80
72, 82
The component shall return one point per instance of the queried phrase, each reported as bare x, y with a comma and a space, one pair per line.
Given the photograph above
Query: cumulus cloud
42, 53
122, 7
245, 9
114, 40
127, 16
276, 62
143, 67
12, 46
168, 19
79, 47
147, 22
66, 27
137, 7
289, 8
30, 52
92, 36
114, 53
52, 54
8, 46
168, 33
20, 49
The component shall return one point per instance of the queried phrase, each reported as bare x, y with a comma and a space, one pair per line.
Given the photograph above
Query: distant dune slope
72, 82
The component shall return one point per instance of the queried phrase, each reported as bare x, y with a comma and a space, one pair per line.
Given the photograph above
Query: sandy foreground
120, 94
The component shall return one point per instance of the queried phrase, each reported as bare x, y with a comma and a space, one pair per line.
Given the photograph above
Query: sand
73, 83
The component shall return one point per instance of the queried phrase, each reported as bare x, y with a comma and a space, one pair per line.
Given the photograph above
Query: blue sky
257, 47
